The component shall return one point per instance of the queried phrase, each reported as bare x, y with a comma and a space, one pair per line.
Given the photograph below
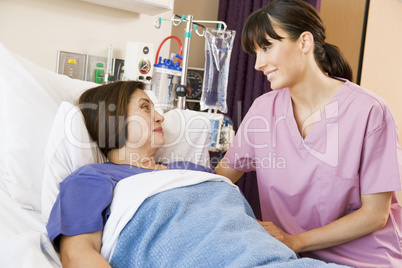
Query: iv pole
181, 90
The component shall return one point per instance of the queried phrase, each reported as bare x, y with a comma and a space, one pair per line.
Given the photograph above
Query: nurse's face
281, 61
144, 130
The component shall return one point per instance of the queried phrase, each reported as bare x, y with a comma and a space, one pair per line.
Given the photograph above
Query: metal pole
187, 39
181, 100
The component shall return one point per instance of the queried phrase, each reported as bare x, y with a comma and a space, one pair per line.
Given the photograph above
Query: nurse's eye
266, 48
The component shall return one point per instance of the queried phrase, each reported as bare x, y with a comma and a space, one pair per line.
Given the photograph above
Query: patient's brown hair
105, 110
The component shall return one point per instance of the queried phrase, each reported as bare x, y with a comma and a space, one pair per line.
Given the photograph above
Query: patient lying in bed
134, 212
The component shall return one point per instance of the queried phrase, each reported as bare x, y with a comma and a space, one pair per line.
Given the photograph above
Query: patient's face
143, 123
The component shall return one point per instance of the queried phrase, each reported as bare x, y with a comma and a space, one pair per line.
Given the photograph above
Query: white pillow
70, 146
2, 126
30, 97
186, 138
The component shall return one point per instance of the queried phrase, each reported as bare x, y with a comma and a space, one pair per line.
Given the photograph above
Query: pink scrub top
352, 149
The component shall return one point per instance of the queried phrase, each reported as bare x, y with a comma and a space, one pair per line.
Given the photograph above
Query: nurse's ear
306, 42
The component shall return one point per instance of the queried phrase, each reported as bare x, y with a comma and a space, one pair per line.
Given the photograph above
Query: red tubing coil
164, 40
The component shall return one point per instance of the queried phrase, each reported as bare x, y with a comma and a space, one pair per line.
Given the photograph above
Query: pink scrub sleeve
240, 154
380, 168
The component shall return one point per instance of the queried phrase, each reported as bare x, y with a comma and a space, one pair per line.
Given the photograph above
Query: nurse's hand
371, 216
276, 232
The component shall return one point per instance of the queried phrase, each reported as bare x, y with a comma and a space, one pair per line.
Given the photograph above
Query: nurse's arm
82, 250
373, 215
227, 171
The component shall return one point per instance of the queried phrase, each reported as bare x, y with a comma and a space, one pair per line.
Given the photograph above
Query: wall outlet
71, 64
96, 69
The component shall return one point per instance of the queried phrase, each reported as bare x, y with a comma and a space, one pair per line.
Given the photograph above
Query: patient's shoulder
95, 171
89, 171
95, 168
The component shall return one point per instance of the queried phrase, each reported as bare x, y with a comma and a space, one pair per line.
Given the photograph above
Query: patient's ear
306, 41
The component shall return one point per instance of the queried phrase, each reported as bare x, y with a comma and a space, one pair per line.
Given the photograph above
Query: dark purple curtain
245, 83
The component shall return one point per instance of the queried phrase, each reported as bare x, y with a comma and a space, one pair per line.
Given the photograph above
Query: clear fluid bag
218, 48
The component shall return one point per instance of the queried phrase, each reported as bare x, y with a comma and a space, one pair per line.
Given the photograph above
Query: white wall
36, 29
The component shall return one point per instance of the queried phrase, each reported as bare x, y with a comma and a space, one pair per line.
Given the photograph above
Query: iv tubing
161, 44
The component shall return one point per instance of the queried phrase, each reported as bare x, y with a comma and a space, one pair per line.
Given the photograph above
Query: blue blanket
209, 224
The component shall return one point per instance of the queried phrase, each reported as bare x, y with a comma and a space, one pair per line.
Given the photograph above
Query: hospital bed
43, 139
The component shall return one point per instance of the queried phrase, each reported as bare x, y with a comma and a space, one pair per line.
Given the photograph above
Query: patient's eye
145, 106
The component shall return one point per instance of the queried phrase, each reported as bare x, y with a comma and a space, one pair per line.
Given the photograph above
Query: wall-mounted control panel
138, 62
87, 67
96, 69
137, 65
71, 64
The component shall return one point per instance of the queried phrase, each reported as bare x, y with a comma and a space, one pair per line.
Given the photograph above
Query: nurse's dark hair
105, 110
294, 17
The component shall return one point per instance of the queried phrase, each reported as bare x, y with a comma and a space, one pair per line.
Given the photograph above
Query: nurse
325, 150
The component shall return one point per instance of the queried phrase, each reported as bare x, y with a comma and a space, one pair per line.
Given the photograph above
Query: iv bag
218, 48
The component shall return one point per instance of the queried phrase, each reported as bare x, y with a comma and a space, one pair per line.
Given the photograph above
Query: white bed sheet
23, 239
